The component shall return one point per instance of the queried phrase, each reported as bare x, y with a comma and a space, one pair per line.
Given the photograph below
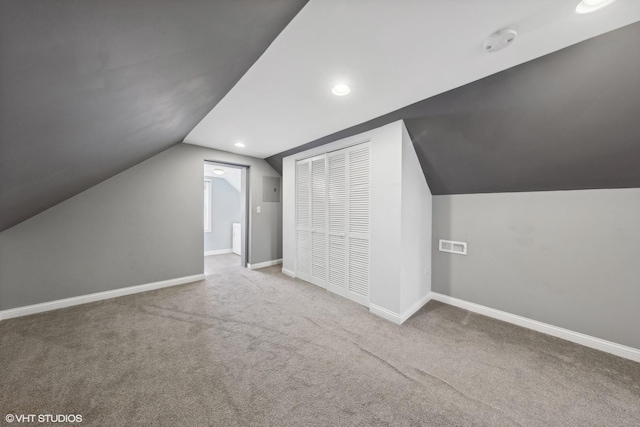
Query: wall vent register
459, 248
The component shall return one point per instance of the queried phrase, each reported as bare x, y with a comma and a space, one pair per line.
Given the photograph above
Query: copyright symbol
9, 418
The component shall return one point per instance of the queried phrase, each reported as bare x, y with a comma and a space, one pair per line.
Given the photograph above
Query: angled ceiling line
94, 89
286, 98
564, 121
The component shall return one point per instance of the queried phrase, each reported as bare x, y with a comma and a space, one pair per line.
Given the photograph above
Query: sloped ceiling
91, 88
392, 54
565, 121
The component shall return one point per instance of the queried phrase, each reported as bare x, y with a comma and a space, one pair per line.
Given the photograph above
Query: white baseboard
288, 272
264, 264
98, 296
576, 337
218, 252
385, 314
397, 318
415, 307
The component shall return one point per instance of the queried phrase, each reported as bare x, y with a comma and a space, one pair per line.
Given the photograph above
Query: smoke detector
499, 40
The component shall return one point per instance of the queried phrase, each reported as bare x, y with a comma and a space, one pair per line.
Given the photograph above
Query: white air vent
459, 248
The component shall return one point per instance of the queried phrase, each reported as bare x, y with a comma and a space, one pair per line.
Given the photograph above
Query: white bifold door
332, 221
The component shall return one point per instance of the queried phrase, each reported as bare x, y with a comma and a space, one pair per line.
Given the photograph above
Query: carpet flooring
257, 348
214, 263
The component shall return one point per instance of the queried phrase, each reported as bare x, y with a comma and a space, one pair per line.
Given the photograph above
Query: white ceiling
392, 54
231, 174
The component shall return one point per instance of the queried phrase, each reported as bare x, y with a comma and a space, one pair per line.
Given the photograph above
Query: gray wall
567, 258
143, 225
225, 210
89, 89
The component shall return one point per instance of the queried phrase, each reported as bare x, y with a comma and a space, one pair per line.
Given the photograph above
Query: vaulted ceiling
565, 121
392, 54
91, 88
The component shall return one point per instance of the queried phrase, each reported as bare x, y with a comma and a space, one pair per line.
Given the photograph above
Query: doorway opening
225, 216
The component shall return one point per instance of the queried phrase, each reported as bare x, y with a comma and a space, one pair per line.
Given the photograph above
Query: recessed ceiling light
341, 89
588, 6
218, 171
239, 144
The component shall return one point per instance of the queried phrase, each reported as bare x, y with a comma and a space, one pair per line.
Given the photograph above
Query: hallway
215, 263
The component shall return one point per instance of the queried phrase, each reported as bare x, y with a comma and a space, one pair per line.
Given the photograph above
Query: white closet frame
358, 288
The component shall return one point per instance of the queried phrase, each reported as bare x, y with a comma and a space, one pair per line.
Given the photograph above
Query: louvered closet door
319, 220
303, 220
337, 204
358, 205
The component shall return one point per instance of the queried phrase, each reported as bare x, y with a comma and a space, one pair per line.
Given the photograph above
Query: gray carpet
214, 263
258, 348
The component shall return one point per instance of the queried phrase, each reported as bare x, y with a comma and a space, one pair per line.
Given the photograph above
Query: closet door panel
333, 221
337, 221
358, 222
319, 220
359, 270
318, 256
337, 280
359, 189
303, 262
303, 220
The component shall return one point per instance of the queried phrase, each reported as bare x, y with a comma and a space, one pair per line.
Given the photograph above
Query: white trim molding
264, 264
288, 272
98, 296
217, 252
396, 318
391, 316
415, 307
566, 334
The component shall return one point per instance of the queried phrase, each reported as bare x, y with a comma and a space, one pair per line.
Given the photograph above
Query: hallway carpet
254, 348
215, 263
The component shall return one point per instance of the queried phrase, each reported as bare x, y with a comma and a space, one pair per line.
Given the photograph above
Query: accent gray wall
143, 225
91, 88
567, 258
225, 210
564, 121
